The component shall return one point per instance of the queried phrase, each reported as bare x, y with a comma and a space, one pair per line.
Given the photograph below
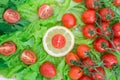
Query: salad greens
31, 38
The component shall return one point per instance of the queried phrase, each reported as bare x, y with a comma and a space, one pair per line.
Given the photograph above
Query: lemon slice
58, 41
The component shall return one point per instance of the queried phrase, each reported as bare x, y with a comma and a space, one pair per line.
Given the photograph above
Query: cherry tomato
7, 48
58, 41
98, 74
109, 60
106, 14
116, 2
87, 62
83, 50
28, 57
11, 16
89, 31
45, 11
77, 1
85, 77
116, 42
69, 20
89, 16
101, 44
75, 72
116, 29
48, 70
71, 56
92, 4
105, 28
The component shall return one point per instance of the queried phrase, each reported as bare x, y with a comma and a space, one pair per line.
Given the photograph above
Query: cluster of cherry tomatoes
96, 27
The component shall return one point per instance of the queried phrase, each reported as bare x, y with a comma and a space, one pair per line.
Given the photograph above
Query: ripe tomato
71, 56
58, 41
83, 50
116, 2
87, 62
89, 31
92, 4
116, 42
77, 1
7, 48
116, 29
48, 70
105, 27
109, 60
101, 44
75, 72
98, 74
28, 57
11, 16
85, 77
69, 20
106, 14
45, 11
89, 16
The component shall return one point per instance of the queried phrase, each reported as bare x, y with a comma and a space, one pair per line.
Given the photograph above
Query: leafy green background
31, 38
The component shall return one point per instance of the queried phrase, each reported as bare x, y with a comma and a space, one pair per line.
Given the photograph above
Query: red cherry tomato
58, 41
11, 16
89, 16
106, 14
45, 11
116, 2
75, 72
87, 62
48, 70
7, 48
101, 44
77, 1
98, 74
69, 20
116, 29
71, 56
85, 77
82, 50
105, 26
89, 31
28, 57
92, 4
109, 60
116, 42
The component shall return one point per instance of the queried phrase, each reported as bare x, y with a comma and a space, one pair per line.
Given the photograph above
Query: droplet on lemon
58, 41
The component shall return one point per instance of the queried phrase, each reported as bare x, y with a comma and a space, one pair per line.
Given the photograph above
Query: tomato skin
11, 16
28, 57
45, 11
89, 31
98, 44
105, 26
89, 16
109, 60
71, 56
88, 62
90, 4
85, 77
77, 1
69, 20
48, 70
116, 2
116, 42
74, 72
116, 29
99, 74
7, 48
82, 50
104, 12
